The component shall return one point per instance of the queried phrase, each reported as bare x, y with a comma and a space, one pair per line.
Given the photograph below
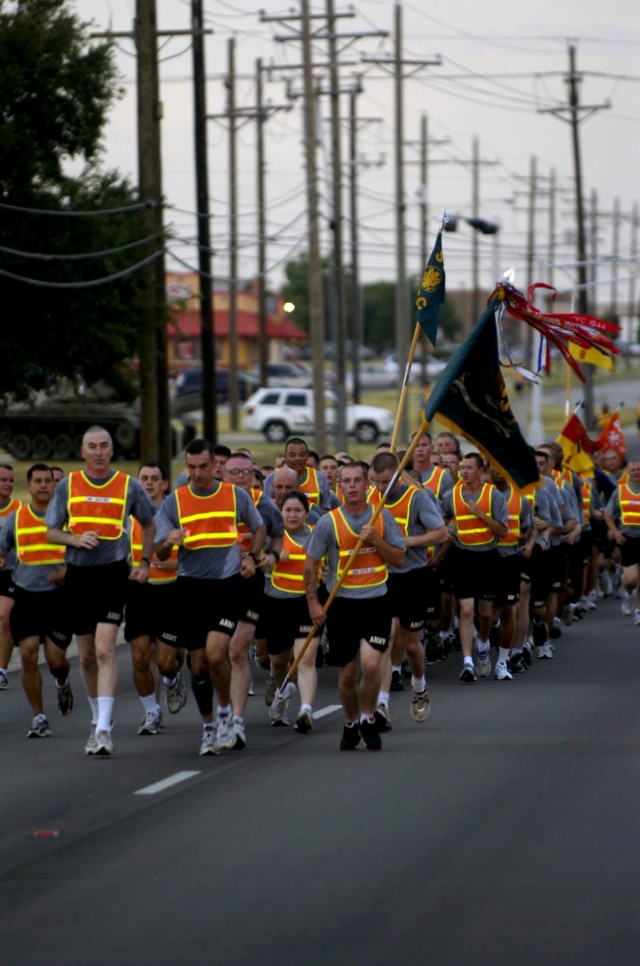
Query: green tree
55, 89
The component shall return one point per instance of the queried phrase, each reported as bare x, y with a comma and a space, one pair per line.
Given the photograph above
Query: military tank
52, 426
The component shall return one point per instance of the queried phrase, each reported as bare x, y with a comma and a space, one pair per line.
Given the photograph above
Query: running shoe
383, 721
4, 680
636, 617
279, 712
251, 692
627, 604
91, 745
270, 690
544, 651
39, 727
207, 745
239, 734
483, 664
502, 672
370, 735
515, 664
104, 743
420, 706
526, 656
64, 699
225, 737
567, 615
150, 723
304, 723
397, 684
468, 674
175, 695
350, 738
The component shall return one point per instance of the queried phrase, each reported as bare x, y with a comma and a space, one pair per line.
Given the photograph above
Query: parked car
189, 388
282, 412
286, 374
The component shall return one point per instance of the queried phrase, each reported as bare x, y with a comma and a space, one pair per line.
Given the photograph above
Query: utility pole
150, 187
263, 355
233, 238
633, 309
316, 295
316, 300
403, 315
424, 163
575, 112
475, 162
338, 300
207, 343
357, 322
155, 431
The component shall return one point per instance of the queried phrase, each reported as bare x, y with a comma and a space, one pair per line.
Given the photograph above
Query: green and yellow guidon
431, 278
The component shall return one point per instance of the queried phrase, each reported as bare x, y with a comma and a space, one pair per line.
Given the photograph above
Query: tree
55, 89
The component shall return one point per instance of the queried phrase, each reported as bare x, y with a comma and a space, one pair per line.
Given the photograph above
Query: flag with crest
431, 294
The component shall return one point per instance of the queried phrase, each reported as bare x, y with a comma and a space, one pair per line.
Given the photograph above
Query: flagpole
435, 265
567, 400
424, 426
405, 386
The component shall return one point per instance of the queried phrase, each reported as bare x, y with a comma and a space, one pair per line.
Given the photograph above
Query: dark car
189, 388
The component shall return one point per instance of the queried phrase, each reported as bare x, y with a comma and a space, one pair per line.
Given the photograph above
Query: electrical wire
90, 283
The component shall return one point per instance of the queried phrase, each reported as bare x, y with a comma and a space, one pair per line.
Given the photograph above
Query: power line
79, 257
90, 283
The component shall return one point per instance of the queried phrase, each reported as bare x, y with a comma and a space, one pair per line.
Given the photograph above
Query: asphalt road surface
505, 829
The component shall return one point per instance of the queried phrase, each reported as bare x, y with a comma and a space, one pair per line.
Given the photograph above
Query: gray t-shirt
137, 505
209, 563
323, 541
27, 576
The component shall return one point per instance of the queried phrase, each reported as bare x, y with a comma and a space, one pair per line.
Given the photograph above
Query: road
503, 830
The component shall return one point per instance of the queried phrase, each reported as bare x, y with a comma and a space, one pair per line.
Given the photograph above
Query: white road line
328, 710
180, 776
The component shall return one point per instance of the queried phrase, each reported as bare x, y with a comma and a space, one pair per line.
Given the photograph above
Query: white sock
483, 648
149, 704
169, 682
503, 654
468, 662
224, 712
105, 713
398, 668
305, 709
93, 704
383, 698
419, 684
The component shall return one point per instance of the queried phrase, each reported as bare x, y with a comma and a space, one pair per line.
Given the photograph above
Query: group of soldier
377, 572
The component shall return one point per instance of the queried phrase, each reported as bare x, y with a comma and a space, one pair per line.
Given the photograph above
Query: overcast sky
501, 65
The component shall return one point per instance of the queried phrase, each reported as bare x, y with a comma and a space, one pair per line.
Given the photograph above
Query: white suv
279, 413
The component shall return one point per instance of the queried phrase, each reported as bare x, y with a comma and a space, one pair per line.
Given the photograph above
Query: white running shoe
483, 664
225, 735
4, 680
150, 723
502, 672
104, 743
176, 695
207, 745
39, 727
636, 617
545, 651
627, 604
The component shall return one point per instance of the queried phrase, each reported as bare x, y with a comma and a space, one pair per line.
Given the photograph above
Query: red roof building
183, 331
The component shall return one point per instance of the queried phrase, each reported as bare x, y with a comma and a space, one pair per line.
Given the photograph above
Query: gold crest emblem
431, 278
